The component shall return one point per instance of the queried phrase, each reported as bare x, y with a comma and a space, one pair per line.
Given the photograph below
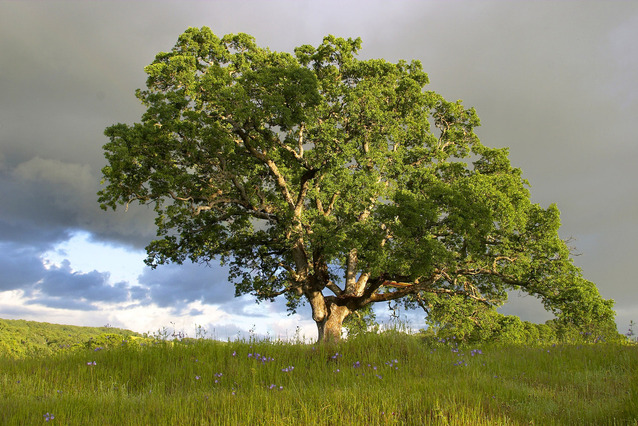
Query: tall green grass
391, 378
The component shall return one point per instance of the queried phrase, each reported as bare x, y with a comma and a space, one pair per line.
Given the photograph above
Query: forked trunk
329, 329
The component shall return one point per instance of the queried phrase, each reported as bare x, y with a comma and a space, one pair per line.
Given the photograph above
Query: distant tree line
19, 338
471, 325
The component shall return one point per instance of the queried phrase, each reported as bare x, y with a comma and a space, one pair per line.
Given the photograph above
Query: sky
555, 81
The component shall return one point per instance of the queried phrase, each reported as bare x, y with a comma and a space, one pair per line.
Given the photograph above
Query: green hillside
19, 338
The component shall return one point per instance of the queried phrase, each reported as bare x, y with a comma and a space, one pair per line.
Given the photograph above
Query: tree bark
330, 327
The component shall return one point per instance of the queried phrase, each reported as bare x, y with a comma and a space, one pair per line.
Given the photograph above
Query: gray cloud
50, 197
527, 307
20, 266
176, 286
554, 81
59, 286
63, 282
62, 303
171, 285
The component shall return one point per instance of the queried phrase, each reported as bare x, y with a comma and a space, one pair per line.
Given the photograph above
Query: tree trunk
329, 329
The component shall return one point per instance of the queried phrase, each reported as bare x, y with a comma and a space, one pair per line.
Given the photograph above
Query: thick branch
261, 156
301, 130
303, 191
354, 286
327, 211
351, 270
298, 154
334, 288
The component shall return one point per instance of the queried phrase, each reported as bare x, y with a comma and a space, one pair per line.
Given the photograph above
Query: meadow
374, 379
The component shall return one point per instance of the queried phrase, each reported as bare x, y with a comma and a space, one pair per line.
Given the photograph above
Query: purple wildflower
48, 417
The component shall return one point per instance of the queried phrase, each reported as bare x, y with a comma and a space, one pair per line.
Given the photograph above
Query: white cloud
87, 255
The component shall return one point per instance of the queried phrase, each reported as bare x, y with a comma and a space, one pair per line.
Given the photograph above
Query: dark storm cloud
49, 198
26, 232
49, 192
62, 84
554, 81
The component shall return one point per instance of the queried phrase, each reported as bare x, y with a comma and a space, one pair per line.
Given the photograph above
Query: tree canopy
334, 181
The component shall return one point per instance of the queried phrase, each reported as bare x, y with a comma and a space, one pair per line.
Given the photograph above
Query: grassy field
374, 379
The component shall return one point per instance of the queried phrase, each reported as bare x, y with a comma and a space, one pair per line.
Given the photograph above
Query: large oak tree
333, 181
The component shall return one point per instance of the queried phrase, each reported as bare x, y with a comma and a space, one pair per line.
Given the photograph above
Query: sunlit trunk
329, 329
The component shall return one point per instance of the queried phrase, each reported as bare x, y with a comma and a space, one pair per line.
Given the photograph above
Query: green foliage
111, 340
467, 324
319, 172
20, 338
361, 321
